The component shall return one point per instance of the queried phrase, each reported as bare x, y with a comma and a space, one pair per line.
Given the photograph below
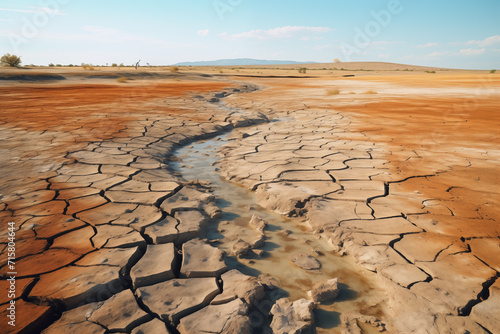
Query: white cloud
438, 54
280, 33
427, 45
16, 10
486, 42
471, 52
50, 11
463, 52
203, 32
382, 43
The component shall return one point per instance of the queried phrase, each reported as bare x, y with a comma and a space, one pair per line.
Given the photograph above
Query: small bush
114, 65
331, 92
430, 71
352, 93
10, 60
493, 71
122, 79
370, 92
51, 65
303, 70
174, 69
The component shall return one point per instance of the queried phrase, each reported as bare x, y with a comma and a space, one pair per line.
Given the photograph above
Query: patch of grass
493, 71
430, 71
331, 92
122, 79
174, 69
370, 92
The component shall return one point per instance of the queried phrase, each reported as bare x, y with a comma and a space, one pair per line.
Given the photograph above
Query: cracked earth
109, 238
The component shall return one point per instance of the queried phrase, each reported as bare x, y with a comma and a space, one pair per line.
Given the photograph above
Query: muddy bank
270, 251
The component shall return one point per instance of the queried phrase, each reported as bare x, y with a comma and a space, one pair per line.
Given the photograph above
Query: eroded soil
397, 172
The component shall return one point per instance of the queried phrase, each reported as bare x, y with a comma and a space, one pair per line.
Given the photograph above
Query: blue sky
446, 33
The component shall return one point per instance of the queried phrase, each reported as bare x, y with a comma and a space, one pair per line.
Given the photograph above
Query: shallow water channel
198, 161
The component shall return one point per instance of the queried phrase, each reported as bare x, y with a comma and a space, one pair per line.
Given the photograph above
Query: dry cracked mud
110, 239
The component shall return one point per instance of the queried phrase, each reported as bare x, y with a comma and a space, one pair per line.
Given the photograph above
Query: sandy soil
437, 135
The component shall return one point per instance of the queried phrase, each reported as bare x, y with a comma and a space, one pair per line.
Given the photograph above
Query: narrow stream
198, 162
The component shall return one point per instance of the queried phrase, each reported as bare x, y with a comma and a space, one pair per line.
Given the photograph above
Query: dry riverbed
387, 182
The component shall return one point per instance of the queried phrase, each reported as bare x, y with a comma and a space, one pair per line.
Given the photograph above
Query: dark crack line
483, 295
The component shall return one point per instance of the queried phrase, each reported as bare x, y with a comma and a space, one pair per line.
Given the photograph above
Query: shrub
174, 69
114, 65
11, 60
430, 71
51, 65
331, 92
302, 70
370, 92
493, 71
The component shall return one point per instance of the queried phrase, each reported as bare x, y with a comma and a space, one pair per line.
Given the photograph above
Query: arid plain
383, 176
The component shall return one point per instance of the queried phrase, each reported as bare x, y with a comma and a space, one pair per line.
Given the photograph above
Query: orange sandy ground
73, 115
424, 124
431, 125
66, 107
76, 114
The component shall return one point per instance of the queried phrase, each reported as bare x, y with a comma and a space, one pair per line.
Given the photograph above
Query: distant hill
240, 62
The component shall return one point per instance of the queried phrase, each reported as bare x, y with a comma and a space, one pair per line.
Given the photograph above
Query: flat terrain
392, 167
